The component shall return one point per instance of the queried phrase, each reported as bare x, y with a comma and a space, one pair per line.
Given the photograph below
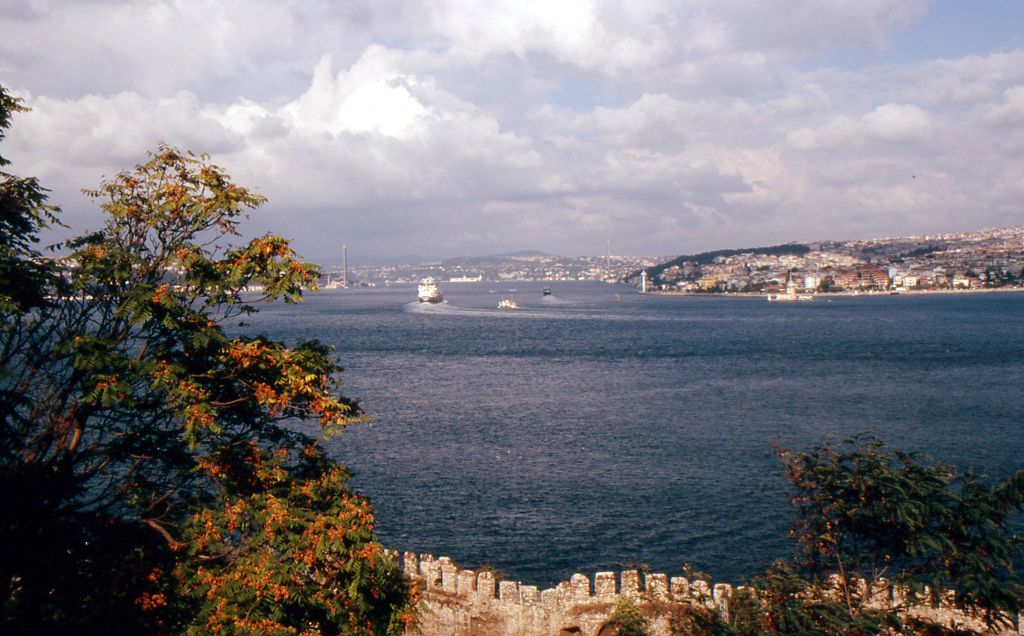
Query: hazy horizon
363, 261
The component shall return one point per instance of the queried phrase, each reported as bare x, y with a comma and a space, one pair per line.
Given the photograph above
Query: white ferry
429, 291
508, 303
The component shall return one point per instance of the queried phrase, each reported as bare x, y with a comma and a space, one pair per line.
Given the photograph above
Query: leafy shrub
626, 620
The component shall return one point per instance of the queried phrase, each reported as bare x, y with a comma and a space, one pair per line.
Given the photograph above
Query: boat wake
426, 308
454, 310
555, 300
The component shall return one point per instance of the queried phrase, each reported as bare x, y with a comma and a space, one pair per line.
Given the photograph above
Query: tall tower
643, 282
344, 265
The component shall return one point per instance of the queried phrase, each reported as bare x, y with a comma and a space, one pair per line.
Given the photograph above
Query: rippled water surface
598, 427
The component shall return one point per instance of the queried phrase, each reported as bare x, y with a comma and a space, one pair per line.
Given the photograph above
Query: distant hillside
495, 258
704, 258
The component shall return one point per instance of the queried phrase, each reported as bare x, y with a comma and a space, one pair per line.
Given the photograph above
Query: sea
597, 428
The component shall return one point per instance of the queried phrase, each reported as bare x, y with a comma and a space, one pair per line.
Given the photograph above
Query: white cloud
894, 123
966, 80
489, 126
897, 123
590, 35
107, 133
371, 97
802, 26
148, 47
1009, 112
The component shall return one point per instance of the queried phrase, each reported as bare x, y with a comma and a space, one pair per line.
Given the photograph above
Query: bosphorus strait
597, 427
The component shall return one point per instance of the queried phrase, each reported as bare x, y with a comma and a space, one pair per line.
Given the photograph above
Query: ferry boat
508, 303
429, 291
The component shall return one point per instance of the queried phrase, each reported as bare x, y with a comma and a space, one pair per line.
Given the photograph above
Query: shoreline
909, 292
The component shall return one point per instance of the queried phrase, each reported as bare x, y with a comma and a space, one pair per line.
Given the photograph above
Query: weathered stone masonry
457, 602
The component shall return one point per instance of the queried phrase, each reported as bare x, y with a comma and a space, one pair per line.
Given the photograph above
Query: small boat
546, 291
508, 303
429, 292
790, 294
788, 297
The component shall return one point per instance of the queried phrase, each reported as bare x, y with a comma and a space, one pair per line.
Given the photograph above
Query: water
597, 427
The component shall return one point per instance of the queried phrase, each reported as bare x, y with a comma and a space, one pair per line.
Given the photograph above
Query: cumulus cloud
895, 123
372, 97
452, 127
607, 37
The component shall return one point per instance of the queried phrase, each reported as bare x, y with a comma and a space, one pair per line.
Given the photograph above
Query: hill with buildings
518, 266
983, 259
971, 260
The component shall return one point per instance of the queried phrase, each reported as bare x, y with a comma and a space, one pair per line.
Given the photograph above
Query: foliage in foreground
626, 620
150, 457
868, 517
868, 513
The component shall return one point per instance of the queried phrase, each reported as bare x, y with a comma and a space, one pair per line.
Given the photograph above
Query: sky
426, 129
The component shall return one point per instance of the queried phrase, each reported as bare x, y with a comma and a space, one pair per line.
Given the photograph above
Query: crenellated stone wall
458, 602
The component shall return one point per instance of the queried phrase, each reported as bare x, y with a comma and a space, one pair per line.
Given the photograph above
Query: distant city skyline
427, 130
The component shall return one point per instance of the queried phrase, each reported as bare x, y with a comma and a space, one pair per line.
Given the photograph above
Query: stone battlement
460, 602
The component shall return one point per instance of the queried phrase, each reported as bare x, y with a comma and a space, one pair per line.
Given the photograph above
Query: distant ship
508, 303
429, 291
547, 291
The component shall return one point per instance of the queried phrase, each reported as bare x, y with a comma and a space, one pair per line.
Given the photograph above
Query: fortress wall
459, 602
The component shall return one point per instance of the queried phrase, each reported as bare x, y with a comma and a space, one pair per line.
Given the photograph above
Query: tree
869, 516
865, 513
23, 213
151, 457
787, 602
